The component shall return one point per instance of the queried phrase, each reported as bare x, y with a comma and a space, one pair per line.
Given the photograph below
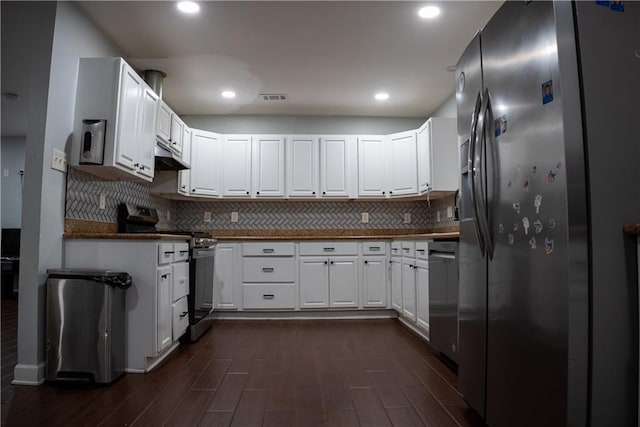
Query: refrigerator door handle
472, 173
479, 189
493, 180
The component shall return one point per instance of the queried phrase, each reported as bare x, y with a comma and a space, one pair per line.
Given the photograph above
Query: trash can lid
84, 272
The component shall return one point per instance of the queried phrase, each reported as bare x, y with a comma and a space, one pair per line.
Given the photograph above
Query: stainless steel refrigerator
548, 101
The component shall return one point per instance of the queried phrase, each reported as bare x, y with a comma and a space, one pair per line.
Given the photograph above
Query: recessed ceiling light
429, 12
188, 7
228, 94
381, 96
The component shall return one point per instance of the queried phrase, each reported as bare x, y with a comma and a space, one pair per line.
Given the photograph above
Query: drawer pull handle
405, 249
374, 248
420, 250
329, 249
268, 296
164, 276
267, 251
184, 313
184, 252
169, 252
267, 269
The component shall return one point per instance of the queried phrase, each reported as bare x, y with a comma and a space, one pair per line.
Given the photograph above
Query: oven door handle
203, 253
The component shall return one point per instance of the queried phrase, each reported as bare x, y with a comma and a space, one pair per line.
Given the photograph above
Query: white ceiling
329, 57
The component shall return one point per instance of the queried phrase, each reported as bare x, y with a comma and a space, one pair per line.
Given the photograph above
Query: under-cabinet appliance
92, 142
443, 297
548, 95
140, 219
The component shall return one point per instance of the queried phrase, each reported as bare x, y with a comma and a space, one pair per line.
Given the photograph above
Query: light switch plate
103, 201
365, 217
407, 218
449, 211
234, 216
59, 160
438, 216
168, 215
5, 173
207, 216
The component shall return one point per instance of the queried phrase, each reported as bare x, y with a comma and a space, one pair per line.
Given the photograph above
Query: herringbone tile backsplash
301, 215
83, 199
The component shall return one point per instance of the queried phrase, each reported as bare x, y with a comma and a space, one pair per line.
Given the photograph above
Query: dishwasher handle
442, 255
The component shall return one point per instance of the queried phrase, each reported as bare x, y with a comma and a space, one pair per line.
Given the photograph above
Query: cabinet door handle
142, 167
257, 192
324, 192
313, 192
268, 296
267, 251
135, 165
193, 189
366, 262
325, 263
164, 276
184, 187
247, 192
390, 192
331, 262
329, 249
267, 269
383, 192
184, 313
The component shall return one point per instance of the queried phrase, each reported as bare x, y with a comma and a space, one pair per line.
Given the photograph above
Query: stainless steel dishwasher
443, 297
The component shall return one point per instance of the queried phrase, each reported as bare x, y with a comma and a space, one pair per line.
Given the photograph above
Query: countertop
125, 236
449, 235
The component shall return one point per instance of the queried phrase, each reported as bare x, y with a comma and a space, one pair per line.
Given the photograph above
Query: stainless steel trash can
86, 321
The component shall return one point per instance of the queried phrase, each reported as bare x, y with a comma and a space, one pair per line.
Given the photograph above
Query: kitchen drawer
165, 253
328, 248
269, 296
180, 280
268, 269
180, 317
409, 249
268, 249
374, 248
396, 248
422, 249
181, 252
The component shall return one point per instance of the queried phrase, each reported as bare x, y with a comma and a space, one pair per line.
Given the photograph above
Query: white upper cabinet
403, 154
372, 170
206, 149
184, 176
236, 166
177, 130
302, 166
445, 164
424, 157
335, 166
110, 90
268, 166
163, 127
128, 118
146, 152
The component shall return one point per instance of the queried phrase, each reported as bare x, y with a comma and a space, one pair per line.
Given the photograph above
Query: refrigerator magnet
500, 125
516, 207
559, 165
509, 184
537, 226
551, 176
515, 226
548, 246
534, 172
532, 243
552, 223
537, 202
547, 92
617, 5
500, 228
525, 225
510, 239
525, 186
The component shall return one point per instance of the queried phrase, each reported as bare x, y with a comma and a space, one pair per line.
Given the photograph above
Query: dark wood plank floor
8, 347
268, 373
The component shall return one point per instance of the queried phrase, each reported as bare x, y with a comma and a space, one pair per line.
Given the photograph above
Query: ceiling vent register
274, 96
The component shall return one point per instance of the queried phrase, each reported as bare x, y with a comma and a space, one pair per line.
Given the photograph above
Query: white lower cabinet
157, 297
343, 282
314, 282
409, 288
374, 281
422, 294
227, 279
396, 284
163, 309
268, 275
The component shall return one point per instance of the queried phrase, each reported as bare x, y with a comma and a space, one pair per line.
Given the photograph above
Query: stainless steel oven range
140, 219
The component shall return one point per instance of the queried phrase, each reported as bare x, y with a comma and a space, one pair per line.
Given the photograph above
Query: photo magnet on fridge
617, 5
547, 92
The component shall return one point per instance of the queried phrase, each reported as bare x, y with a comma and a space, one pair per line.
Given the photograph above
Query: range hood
168, 161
